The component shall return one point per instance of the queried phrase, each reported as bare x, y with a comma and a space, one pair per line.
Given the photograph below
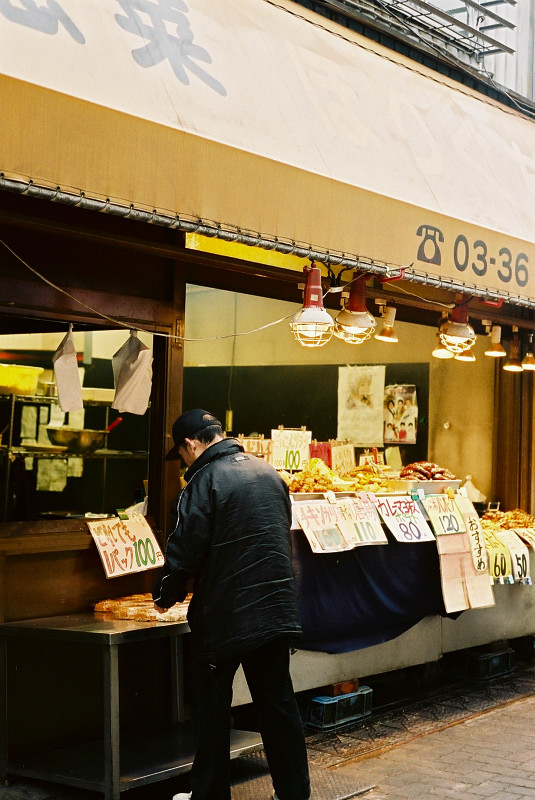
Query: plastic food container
15, 379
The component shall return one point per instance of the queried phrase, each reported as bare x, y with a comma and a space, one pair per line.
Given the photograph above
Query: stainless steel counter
113, 764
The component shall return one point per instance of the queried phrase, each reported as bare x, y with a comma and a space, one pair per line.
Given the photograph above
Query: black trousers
267, 671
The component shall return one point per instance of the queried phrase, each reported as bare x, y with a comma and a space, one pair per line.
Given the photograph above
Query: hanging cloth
67, 375
132, 374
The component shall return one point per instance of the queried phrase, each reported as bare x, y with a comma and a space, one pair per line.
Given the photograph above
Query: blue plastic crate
325, 713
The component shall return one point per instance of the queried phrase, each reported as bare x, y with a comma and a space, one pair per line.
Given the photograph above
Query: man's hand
160, 610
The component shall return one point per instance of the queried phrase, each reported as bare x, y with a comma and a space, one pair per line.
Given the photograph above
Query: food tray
429, 487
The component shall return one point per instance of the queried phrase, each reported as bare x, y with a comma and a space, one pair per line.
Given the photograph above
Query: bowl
77, 440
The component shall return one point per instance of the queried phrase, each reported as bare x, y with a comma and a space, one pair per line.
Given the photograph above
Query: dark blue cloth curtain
362, 597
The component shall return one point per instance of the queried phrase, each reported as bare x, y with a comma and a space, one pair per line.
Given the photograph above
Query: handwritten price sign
125, 546
319, 521
444, 514
404, 518
342, 458
290, 448
359, 520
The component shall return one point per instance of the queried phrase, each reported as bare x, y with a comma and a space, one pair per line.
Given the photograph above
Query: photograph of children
400, 414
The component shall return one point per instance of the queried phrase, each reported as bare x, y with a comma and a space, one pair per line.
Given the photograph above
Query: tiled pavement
474, 741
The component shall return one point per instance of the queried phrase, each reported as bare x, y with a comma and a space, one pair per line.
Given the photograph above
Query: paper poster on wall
360, 404
400, 414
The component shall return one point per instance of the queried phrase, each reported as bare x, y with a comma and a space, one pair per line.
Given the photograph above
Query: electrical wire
130, 326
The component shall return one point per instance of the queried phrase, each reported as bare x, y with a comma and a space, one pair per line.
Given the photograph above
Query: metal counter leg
3, 710
112, 773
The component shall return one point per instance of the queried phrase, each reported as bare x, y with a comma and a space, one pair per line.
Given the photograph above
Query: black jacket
233, 537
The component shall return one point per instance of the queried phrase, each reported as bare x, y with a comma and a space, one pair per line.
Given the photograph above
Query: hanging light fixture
528, 362
456, 334
495, 348
513, 363
354, 324
466, 355
387, 332
440, 350
312, 326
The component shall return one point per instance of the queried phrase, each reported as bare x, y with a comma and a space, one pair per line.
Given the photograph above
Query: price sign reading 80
404, 519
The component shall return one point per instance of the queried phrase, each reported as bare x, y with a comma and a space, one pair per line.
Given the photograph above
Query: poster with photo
360, 402
400, 414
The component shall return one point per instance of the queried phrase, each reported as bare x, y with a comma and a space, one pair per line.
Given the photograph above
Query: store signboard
125, 545
444, 514
290, 448
404, 518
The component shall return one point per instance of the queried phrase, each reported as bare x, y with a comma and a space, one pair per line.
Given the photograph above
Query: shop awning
262, 116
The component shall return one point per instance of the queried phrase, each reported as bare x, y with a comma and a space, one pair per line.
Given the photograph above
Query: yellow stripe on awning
256, 116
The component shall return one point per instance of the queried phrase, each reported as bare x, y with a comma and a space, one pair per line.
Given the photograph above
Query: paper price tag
360, 521
527, 535
444, 514
474, 530
519, 554
125, 546
319, 522
290, 448
500, 563
342, 458
404, 518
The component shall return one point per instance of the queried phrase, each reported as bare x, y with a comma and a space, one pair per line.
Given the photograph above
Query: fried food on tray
510, 519
141, 607
426, 471
316, 477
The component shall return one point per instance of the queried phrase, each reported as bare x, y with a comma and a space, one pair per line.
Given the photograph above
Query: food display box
20, 380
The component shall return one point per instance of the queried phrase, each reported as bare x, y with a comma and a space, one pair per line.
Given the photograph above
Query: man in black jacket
232, 537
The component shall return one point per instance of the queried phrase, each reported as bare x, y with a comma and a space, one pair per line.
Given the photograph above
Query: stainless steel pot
77, 440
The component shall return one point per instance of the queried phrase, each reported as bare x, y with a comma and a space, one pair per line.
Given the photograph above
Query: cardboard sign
342, 459
474, 530
360, 521
519, 555
290, 448
444, 514
500, 564
263, 448
320, 450
404, 518
125, 546
462, 586
527, 535
319, 522
337, 524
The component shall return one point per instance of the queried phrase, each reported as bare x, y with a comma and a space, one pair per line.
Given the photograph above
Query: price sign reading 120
473, 256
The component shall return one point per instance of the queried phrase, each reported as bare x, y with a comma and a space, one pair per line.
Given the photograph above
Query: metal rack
10, 452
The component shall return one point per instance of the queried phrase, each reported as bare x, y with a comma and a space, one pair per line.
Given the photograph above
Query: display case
20, 458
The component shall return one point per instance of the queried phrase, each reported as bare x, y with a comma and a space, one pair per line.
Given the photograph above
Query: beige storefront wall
268, 118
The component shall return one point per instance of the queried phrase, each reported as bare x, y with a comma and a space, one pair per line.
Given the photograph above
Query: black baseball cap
187, 425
